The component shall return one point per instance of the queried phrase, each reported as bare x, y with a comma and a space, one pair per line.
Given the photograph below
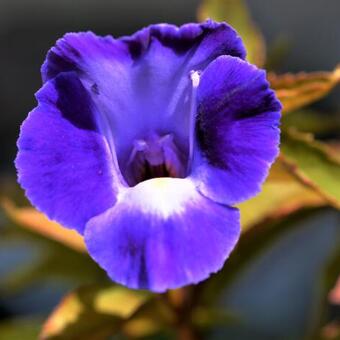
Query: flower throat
155, 156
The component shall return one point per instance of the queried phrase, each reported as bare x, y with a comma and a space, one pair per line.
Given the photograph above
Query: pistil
195, 80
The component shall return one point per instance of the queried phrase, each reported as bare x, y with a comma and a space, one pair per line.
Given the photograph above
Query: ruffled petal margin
143, 81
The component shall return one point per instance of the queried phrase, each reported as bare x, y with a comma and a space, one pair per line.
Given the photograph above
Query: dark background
310, 30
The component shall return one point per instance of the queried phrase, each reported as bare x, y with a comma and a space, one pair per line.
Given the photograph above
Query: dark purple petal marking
162, 234
237, 130
142, 83
64, 162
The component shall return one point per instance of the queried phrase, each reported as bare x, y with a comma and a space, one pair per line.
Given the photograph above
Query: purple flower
143, 144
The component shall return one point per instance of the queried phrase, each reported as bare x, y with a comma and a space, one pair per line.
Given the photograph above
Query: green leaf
281, 194
313, 163
93, 313
154, 317
236, 13
311, 121
301, 89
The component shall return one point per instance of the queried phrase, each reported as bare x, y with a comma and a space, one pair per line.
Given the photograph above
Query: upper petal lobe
237, 130
142, 82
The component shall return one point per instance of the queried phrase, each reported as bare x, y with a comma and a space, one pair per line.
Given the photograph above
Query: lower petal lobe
237, 130
162, 234
63, 161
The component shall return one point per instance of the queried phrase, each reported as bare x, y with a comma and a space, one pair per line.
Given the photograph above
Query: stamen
195, 80
154, 157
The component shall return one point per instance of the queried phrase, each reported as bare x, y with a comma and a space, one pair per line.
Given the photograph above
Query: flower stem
187, 332
182, 302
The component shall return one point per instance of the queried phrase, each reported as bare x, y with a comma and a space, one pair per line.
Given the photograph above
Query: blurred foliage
298, 90
33, 220
20, 329
93, 313
312, 163
281, 195
50, 257
281, 282
321, 124
236, 13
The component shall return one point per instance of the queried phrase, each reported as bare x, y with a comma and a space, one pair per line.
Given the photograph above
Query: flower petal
142, 82
63, 162
89, 54
162, 234
237, 130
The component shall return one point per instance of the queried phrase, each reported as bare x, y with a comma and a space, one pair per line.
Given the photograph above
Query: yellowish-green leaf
313, 163
153, 317
236, 13
37, 222
298, 90
93, 313
334, 149
311, 121
211, 317
281, 195
119, 301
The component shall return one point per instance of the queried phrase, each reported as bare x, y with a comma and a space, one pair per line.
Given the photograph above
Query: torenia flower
144, 143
